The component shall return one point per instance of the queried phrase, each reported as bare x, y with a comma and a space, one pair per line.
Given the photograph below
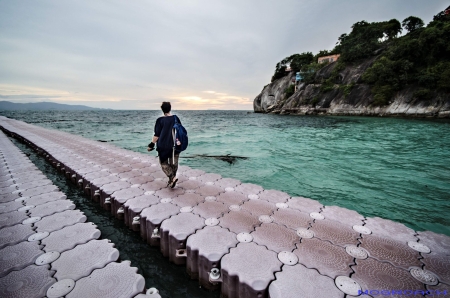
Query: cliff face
348, 96
271, 94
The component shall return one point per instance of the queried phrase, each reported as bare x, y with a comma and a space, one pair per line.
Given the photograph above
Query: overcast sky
197, 54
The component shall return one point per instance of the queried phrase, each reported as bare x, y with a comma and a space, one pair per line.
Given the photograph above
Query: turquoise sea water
388, 167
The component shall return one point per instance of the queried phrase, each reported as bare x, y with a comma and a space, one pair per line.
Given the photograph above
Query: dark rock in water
231, 159
103, 141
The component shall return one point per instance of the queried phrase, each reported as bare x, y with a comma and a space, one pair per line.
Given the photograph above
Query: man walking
164, 140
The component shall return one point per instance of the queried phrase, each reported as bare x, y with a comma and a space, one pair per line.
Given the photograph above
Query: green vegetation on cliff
419, 59
296, 62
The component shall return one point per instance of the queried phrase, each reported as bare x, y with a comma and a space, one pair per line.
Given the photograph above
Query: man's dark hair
166, 107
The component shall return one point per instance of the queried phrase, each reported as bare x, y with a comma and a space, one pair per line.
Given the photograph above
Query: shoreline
321, 112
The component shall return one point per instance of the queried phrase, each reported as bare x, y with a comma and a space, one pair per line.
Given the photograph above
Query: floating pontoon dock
238, 237
46, 246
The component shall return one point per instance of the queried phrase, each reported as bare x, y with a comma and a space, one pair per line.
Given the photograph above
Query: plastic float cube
259, 207
174, 232
188, 199
39, 190
9, 197
31, 282
120, 197
169, 192
297, 280
248, 270
10, 206
275, 237
140, 180
126, 282
69, 237
343, 215
193, 173
249, 189
108, 189
12, 218
129, 174
335, 232
15, 234
238, 220
154, 185
33, 177
210, 209
84, 259
192, 183
438, 264
328, 259
232, 198
52, 208
44, 198
97, 184
274, 196
133, 207
205, 249
371, 275
209, 177
16, 257
397, 253
436, 242
151, 219
209, 189
60, 220
120, 169
292, 218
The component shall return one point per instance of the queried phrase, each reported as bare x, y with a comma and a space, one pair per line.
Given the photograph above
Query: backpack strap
174, 138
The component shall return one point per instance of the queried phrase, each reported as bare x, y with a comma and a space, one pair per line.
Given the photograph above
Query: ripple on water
388, 167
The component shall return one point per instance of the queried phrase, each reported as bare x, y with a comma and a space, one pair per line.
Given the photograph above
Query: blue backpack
179, 135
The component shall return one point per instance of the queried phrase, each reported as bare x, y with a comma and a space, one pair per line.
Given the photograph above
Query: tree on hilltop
298, 60
362, 41
392, 28
295, 62
412, 23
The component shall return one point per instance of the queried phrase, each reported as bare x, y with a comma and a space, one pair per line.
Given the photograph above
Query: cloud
215, 100
214, 92
24, 93
143, 52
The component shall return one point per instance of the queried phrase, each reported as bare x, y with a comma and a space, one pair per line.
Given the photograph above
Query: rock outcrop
272, 94
348, 96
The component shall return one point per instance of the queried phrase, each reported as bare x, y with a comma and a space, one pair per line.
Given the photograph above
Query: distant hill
43, 106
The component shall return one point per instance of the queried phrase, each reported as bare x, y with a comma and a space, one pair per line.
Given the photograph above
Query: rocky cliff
348, 96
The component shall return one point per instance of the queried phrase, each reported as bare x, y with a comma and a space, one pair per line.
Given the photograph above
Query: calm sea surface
392, 168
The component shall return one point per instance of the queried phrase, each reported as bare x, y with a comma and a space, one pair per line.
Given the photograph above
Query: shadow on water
171, 280
226, 158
